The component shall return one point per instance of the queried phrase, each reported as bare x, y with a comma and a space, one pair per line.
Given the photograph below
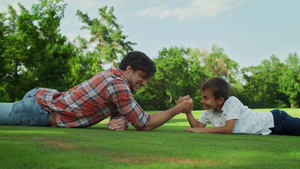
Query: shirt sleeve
121, 96
204, 119
232, 108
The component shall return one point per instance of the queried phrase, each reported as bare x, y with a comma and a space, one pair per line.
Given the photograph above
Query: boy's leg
5, 110
285, 124
26, 112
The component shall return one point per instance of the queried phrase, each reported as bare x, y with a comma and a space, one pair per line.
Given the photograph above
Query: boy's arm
227, 129
193, 122
158, 119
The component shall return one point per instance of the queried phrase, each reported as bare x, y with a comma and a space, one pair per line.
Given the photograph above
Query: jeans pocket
23, 112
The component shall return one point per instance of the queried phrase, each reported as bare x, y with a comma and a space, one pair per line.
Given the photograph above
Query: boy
228, 115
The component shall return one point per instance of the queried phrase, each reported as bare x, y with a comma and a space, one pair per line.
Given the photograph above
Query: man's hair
139, 61
218, 87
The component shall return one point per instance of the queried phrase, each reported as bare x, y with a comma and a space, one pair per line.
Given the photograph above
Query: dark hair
218, 87
139, 61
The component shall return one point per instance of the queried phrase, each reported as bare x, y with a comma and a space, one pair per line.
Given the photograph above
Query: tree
289, 81
181, 72
262, 84
53, 50
3, 61
170, 80
34, 53
111, 46
108, 35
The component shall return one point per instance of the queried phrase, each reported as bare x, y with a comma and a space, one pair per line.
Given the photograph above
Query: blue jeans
285, 124
26, 112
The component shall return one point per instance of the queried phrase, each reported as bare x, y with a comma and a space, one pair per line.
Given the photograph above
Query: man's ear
128, 68
128, 71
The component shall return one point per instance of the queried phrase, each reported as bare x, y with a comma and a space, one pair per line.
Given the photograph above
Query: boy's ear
221, 100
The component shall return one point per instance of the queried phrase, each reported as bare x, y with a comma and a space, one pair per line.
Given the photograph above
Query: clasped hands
186, 102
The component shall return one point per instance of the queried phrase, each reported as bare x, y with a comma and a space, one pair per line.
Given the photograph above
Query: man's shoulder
108, 76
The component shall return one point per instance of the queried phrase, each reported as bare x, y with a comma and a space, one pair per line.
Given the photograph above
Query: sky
249, 31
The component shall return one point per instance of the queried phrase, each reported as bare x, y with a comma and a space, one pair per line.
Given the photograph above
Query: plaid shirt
105, 94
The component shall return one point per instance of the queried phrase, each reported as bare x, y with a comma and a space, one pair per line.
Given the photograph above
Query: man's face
136, 79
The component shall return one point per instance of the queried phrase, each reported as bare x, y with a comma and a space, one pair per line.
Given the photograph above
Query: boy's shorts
285, 124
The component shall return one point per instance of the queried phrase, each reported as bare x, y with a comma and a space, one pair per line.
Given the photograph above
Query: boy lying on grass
228, 115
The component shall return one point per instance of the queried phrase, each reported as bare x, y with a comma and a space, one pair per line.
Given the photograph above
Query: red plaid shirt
105, 94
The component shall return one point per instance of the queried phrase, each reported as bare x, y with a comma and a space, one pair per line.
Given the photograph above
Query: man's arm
227, 129
117, 122
158, 119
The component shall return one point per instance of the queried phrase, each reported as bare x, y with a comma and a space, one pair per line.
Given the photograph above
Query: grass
165, 147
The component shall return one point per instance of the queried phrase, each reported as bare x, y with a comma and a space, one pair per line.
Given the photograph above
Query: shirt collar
118, 72
221, 111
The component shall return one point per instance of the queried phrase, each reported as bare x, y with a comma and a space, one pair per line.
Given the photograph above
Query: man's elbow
147, 128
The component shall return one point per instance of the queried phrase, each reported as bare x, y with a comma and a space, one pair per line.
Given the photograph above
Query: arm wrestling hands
182, 99
185, 105
195, 124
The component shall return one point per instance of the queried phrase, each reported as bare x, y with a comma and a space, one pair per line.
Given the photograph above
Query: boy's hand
199, 130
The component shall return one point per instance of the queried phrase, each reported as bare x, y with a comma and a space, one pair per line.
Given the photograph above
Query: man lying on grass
228, 115
106, 94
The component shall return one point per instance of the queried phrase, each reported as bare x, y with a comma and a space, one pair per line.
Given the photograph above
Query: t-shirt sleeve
232, 108
204, 119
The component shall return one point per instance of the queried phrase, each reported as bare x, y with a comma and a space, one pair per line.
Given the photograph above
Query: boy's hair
218, 87
139, 61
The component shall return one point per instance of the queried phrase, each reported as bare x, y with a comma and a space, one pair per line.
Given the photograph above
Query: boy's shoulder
232, 98
231, 102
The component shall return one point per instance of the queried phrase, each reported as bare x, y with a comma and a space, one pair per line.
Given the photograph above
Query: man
106, 94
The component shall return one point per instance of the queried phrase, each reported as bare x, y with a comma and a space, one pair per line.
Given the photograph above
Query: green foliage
33, 53
181, 72
111, 45
108, 36
289, 82
262, 84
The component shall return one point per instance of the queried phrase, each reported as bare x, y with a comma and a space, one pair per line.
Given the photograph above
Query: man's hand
181, 99
117, 124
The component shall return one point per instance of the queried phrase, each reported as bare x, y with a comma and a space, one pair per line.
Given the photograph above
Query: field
165, 147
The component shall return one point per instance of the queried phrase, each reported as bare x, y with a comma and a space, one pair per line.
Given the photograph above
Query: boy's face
209, 101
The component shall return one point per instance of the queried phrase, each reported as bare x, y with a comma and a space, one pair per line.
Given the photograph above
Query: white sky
249, 31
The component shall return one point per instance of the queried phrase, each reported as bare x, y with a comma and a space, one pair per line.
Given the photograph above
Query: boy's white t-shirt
247, 120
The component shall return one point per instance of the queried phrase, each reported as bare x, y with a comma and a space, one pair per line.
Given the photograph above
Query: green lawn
165, 147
